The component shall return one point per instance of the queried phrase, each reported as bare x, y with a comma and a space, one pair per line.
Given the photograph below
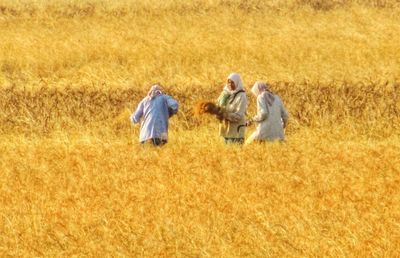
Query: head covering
235, 77
259, 88
154, 91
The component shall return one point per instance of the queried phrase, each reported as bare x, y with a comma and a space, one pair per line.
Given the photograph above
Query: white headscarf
154, 91
259, 88
235, 77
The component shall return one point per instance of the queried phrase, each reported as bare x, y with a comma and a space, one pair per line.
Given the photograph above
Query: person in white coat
233, 102
271, 118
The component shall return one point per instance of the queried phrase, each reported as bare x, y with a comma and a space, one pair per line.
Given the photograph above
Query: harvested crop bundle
207, 107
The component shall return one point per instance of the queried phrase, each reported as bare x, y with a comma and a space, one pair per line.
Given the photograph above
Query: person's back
155, 110
272, 127
271, 118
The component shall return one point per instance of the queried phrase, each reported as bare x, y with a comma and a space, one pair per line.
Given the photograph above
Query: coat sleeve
172, 105
239, 111
135, 117
223, 98
262, 110
284, 114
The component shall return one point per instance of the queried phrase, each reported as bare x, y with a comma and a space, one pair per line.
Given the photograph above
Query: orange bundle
206, 107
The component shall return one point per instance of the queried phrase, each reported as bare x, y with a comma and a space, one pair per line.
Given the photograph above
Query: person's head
234, 82
259, 87
155, 90
231, 85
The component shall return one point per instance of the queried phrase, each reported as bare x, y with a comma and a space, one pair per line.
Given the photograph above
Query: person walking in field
155, 109
271, 118
233, 103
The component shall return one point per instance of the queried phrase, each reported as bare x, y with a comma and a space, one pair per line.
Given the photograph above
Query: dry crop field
75, 182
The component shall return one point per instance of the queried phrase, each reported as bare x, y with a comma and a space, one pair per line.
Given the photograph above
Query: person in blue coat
153, 112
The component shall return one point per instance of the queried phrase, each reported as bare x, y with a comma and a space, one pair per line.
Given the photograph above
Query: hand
171, 112
249, 122
220, 116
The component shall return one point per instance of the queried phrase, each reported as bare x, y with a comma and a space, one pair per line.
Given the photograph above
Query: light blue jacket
155, 113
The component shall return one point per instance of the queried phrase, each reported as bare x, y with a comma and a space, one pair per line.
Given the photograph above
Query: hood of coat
235, 77
154, 91
261, 87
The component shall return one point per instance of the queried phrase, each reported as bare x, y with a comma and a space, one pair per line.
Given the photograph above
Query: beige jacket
233, 125
271, 120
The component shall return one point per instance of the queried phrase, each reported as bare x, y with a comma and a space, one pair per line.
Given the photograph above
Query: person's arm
239, 112
223, 98
135, 117
284, 115
172, 106
262, 110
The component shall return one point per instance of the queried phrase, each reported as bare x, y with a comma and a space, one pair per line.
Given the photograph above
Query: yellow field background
75, 182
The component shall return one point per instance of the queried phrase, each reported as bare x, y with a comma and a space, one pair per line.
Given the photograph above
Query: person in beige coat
233, 102
271, 118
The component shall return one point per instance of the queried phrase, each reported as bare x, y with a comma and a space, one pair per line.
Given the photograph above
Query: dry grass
125, 47
330, 195
74, 181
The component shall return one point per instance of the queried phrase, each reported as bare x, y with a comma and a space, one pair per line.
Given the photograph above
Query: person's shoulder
261, 97
165, 96
278, 98
242, 94
169, 98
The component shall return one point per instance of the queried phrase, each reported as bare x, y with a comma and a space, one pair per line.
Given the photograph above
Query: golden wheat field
74, 180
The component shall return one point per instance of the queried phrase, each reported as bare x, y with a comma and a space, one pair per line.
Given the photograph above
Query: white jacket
270, 119
233, 126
